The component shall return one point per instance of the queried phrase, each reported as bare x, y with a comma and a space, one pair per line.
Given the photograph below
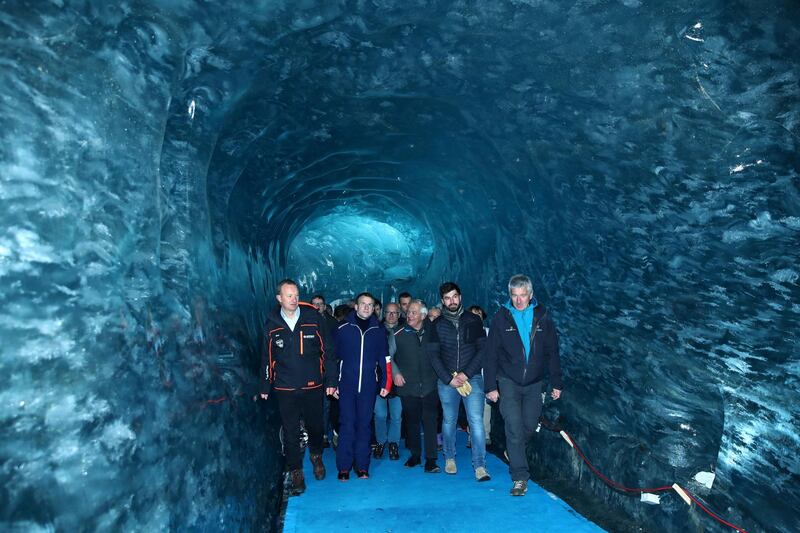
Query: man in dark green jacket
415, 384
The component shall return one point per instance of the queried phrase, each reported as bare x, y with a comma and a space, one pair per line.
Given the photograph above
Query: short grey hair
520, 281
423, 309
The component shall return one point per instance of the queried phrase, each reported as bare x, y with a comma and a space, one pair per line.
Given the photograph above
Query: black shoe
431, 467
412, 461
363, 474
377, 452
298, 485
394, 451
319, 467
344, 475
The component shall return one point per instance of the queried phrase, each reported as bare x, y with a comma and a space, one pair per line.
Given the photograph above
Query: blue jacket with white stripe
363, 356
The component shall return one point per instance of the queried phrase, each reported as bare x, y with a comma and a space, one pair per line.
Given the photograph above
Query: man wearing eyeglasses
389, 410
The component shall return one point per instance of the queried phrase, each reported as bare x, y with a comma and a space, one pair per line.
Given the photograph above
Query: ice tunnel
164, 163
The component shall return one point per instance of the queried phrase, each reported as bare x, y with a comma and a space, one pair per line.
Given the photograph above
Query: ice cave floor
397, 499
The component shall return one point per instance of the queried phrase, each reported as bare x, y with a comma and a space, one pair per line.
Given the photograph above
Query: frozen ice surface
163, 164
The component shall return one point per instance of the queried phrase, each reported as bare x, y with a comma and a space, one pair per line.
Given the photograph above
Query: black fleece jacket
299, 359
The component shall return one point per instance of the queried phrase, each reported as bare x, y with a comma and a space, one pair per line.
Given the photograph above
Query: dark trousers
296, 405
334, 414
355, 428
520, 407
424, 411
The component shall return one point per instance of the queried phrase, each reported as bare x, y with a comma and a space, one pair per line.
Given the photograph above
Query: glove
464, 389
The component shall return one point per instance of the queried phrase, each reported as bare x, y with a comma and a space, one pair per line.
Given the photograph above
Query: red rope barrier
712, 514
621, 487
217, 400
609, 481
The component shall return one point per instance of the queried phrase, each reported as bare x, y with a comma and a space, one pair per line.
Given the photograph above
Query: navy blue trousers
355, 430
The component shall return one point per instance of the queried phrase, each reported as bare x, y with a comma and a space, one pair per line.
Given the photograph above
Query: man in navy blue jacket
364, 369
522, 348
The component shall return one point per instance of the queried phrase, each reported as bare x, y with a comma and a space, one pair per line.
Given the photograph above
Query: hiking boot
298, 483
481, 474
413, 461
431, 467
319, 468
520, 488
377, 452
363, 474
344, 475
450, 466
394, 451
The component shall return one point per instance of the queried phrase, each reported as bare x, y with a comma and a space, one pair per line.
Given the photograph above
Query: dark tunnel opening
164, 164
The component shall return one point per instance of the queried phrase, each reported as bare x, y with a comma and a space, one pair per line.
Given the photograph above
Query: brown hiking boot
319, 468
298, 482
520, 488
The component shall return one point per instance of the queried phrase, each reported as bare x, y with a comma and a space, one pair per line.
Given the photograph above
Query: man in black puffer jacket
522, 349
456, 345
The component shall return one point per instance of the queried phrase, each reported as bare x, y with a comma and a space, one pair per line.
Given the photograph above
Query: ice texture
164, 164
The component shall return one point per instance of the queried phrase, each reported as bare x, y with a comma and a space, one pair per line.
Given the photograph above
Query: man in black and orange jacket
297, 364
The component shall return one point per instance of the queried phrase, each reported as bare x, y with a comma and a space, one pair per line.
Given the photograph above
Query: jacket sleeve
392, 353
435, 355
388, 381
493, 344
329, 360
474, 366
554, 358
264, 382
384, 372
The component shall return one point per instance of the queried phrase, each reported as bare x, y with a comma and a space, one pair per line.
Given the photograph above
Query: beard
453, 307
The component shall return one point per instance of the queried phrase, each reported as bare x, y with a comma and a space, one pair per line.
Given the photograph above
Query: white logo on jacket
279, 343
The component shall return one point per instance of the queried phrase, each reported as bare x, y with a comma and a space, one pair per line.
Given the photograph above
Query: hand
329, 391
493, 396
335, 393
399, 380
464, 377
457, 381
384, 393
556, 394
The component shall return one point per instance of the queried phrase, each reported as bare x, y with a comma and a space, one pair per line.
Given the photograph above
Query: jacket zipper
533, 343
458, 346
419, 364
361, 362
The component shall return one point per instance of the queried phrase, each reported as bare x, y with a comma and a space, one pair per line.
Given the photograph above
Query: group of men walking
421, 364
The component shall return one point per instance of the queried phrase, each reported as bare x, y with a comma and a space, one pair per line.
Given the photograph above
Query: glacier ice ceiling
164, 163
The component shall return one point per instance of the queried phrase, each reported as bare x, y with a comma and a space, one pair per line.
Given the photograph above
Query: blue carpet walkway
398, 500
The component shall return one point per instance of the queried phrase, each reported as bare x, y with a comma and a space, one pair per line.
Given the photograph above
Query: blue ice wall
164, 163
